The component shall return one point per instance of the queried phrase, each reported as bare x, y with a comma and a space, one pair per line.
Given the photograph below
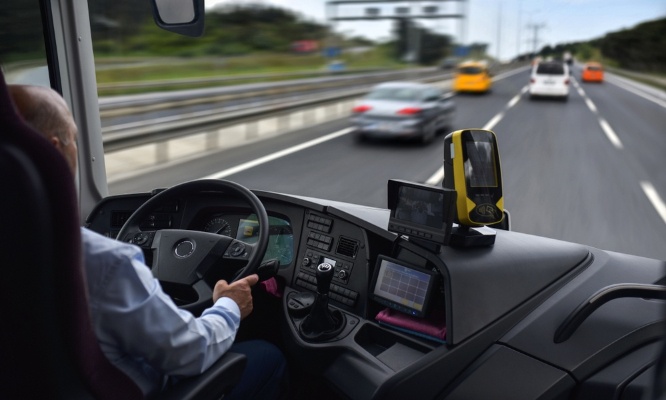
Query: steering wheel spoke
238, 250
143, 239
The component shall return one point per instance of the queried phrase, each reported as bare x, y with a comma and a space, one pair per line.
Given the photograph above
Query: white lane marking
525, 89
626, 86
610, 133
437, 177
514, 101
278, 154
605, 126
655, 199
494, 121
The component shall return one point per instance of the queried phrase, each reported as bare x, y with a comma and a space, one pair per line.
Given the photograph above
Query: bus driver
126, 300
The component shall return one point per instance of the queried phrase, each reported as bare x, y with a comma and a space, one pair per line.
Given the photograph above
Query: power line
535, 34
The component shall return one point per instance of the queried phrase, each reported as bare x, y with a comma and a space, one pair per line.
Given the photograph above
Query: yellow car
472, 77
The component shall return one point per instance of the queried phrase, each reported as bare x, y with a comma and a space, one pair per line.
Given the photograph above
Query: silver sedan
403, 110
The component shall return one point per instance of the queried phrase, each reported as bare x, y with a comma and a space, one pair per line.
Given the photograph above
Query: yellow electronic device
472, 168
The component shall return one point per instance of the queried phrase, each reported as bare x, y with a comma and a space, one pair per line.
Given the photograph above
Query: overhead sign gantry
408, 9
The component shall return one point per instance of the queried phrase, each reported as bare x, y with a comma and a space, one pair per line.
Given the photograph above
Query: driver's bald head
47, 112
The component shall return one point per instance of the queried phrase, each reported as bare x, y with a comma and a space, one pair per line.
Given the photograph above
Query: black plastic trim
601, 297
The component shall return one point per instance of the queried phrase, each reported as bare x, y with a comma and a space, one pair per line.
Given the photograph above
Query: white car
550, 78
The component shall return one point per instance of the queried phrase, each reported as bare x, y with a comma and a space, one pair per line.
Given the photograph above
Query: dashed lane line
605, 126
655, 199
610, 134
590, 105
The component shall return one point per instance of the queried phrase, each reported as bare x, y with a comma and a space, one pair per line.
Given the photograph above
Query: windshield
265, 97
395, 94
550, 69
470, 70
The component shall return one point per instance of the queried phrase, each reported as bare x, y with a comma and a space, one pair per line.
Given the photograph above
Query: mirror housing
185, 17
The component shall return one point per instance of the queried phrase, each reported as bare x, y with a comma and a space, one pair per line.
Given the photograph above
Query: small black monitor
420, 211
402, 286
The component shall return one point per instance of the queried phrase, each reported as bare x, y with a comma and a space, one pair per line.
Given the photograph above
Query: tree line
238, 29
126, 28
641, 48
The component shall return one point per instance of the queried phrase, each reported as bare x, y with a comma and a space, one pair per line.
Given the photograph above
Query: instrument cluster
246, 228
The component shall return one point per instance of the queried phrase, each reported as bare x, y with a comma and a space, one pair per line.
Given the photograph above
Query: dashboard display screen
422, 212
420, 206
401, 286
280, 239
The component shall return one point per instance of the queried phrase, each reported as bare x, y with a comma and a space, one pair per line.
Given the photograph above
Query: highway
589, 170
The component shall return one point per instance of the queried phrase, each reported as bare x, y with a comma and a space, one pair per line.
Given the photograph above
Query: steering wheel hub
185, 248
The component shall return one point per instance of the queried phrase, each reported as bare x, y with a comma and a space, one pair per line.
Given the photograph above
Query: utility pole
520, 11
535, 35
499, 29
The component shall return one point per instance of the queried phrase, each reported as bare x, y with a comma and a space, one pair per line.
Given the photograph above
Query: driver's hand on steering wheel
238, 291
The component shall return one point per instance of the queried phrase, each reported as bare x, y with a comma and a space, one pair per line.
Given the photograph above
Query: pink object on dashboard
434, 326
272, 287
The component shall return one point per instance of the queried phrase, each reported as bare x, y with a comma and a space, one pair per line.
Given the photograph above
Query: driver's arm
139, 327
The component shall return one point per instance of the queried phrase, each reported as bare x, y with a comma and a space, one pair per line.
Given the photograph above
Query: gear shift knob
324, 276
323, 323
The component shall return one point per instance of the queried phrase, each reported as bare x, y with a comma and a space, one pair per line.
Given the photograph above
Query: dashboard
494, 306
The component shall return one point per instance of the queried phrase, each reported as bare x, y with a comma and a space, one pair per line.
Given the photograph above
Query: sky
509, 27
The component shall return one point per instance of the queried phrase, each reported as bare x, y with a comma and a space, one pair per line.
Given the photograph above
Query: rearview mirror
185, 17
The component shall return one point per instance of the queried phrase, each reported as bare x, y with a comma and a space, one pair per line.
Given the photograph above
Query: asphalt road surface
588, 170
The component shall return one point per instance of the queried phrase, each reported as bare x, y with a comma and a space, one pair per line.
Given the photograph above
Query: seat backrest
47, 344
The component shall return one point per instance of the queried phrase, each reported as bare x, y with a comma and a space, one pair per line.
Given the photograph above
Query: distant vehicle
568, 58
408, 110
550, 78
592, 72
472, 76
305, 46
449, 63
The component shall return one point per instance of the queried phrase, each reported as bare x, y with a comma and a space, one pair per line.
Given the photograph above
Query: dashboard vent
347, 247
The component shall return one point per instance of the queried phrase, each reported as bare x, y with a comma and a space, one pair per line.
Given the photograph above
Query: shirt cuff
229, 304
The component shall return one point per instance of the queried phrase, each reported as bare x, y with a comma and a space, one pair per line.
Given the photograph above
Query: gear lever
322, 323
324, 275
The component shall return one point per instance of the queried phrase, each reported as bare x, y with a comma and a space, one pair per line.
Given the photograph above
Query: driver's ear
55, 141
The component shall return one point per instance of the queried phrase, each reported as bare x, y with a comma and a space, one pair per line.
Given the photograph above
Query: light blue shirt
140, 329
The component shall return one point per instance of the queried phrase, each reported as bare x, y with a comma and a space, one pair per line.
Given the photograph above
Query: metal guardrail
136, 104
176, 127
225, 79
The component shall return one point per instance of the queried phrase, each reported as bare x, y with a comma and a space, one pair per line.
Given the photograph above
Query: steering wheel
183, 256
